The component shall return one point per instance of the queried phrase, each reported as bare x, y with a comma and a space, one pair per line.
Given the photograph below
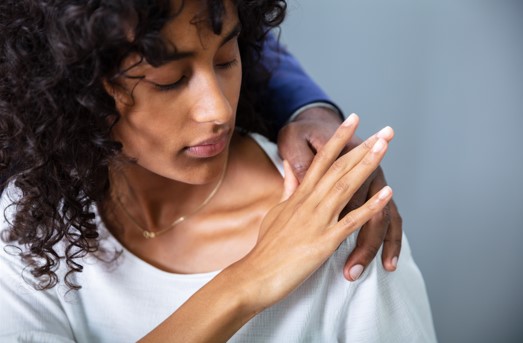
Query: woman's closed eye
170, 86
181, 80
228, 65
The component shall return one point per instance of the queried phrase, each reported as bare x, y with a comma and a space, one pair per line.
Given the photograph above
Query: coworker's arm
288, 97
313, 128
289, 89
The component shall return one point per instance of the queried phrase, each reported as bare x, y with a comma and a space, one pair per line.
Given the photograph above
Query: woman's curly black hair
56, 116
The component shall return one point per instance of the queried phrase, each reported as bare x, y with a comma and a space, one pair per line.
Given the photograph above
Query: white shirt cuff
311, 105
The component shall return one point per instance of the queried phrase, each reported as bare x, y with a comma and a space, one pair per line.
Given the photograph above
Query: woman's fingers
326, 156
335, 180
290, 181
301, 138
356, 218
341, 190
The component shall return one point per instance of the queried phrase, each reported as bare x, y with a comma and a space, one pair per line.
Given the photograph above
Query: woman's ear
122, 98
115, 90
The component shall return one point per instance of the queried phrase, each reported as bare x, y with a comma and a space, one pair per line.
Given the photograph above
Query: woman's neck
213, 238
155, 202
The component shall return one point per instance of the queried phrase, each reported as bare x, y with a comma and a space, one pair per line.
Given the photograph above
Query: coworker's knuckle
317, 142
386, 215
300, 167
396, 217
285, 133
369, 251
395, 241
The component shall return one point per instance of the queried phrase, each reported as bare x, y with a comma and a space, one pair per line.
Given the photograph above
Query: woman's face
180, 119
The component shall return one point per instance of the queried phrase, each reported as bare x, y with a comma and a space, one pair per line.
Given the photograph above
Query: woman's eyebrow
178, 55
233, 33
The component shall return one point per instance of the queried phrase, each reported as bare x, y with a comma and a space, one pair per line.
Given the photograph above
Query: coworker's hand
298, 141
299, 234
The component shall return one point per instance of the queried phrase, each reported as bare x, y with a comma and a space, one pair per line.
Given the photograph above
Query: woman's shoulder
254, 149
254, 167
270, 149
368, 310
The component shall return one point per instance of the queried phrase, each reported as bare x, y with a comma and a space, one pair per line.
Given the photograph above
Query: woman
130, 171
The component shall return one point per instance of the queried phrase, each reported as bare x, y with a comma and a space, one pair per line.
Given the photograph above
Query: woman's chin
207, 173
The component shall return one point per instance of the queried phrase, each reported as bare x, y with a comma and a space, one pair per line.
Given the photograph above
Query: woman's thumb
290, 182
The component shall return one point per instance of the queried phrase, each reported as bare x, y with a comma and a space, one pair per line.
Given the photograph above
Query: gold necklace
152, 234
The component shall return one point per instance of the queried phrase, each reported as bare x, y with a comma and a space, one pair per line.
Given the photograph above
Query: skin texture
264, 239
313, 128
170, 178
284, 255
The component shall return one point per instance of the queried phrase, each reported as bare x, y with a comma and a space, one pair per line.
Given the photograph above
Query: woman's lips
208, 148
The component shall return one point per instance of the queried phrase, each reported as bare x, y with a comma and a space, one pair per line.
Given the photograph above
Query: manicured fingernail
385, 132
378, 146
350, 120
384, 193
395, 262
356, 271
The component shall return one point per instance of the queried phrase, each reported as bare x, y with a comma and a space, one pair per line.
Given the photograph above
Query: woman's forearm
213, 314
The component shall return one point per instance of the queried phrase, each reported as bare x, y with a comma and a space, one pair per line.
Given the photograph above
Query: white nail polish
384, 193
356, 271
350, 120
385, 132
379, 145
395, 261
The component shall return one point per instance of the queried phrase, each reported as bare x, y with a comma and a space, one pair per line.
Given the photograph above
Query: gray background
447, 75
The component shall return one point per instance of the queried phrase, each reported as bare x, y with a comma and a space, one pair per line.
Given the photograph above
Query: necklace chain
152, 234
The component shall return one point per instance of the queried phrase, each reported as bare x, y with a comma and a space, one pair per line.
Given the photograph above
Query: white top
121, 302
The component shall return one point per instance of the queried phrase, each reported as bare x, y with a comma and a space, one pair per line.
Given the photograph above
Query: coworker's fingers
331, 150
368, 244
391, 223
371, 236
296, 150
299, 140
290, 182
392, 243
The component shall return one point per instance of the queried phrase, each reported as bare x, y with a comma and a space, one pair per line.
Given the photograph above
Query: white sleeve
27, 315
390, 307
312, 105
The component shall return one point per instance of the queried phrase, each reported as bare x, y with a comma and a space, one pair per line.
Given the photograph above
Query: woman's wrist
243, 289
213, 314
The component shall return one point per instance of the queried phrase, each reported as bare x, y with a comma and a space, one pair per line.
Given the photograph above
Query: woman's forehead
188, 33
191, 27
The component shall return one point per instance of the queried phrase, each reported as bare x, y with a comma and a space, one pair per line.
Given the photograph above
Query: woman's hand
298, 141
299, 234
295, 238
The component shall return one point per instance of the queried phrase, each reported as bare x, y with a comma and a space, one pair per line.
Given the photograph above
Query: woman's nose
211, 103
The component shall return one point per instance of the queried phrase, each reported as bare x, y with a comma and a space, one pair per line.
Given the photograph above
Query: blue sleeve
289, 87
